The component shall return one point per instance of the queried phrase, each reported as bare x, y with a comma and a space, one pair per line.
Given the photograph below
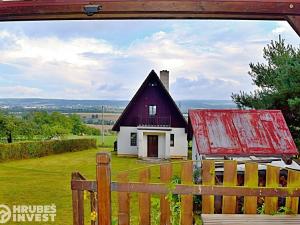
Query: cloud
19, 92
208, 58
204, 88
60, 62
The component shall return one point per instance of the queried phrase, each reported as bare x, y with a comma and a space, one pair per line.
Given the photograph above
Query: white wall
162, 146
124, 146
165, 151
180, 143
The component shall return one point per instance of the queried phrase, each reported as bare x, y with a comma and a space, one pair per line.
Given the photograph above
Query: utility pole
102, 126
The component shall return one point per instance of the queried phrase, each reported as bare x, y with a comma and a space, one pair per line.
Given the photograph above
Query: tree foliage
42, 125
278, 84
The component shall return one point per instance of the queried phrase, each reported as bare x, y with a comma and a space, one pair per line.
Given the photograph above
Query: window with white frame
152, 110
172, 140
133, 138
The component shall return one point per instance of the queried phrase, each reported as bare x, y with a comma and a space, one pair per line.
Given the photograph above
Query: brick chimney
164, 77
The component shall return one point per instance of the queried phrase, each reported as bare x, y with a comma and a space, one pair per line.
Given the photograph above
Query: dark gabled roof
241, 132
151, 77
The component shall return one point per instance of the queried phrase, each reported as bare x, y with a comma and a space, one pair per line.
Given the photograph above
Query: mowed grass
108, 140
46, 180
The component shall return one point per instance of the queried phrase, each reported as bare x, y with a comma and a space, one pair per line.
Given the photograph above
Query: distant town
19, 105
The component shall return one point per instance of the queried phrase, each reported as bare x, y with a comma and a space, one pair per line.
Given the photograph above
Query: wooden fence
100, 191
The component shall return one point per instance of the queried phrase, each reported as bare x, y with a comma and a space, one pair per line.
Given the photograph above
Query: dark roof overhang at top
151, 9
151, 77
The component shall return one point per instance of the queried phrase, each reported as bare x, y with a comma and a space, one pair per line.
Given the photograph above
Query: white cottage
152, 124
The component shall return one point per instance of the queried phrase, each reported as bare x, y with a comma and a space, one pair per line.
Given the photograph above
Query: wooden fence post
103, 188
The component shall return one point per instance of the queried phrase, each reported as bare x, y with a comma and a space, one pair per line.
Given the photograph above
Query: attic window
152, 110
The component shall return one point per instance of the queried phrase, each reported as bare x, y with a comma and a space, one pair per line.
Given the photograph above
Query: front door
152, 146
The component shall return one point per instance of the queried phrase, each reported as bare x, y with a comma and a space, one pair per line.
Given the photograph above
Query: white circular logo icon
5, 214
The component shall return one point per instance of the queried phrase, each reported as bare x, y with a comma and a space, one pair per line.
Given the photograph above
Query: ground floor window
133, 137
172, 136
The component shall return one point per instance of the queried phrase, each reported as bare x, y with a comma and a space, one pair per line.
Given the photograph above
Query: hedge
34, 149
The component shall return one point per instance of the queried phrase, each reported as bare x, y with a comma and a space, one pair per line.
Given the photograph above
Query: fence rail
157, 188
230, 189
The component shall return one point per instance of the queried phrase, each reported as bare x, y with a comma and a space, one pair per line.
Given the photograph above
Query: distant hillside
63, 105
184, 105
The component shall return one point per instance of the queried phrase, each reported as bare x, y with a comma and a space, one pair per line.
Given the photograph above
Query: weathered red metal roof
241, 132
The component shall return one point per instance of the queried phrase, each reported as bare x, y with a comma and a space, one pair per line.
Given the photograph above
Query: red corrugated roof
241, 132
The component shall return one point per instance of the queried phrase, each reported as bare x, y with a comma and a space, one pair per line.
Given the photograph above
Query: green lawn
108, 139
47, 180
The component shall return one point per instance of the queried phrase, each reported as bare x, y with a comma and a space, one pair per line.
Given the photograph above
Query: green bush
34, 149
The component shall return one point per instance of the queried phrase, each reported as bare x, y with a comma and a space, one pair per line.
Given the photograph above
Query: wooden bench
249, 219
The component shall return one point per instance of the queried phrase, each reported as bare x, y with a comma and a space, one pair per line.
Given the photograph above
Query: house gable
151, 93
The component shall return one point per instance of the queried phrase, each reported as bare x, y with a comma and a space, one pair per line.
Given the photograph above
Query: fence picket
293, 181
77, 202
251, 180
187, 200
124, 202
272, 180
229, 179
75, 207
93, 207
165, 177
208, 178
145, 199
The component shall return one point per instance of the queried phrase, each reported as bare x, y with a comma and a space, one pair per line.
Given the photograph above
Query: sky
207, 59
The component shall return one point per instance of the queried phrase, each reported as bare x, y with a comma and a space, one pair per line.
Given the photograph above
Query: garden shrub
34, 149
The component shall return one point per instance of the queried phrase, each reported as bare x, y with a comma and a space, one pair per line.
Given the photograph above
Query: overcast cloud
110, 59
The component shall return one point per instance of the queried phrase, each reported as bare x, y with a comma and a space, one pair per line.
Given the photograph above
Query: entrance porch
153, 142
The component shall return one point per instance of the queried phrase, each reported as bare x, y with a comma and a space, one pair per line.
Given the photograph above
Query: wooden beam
151, 9
294, 21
